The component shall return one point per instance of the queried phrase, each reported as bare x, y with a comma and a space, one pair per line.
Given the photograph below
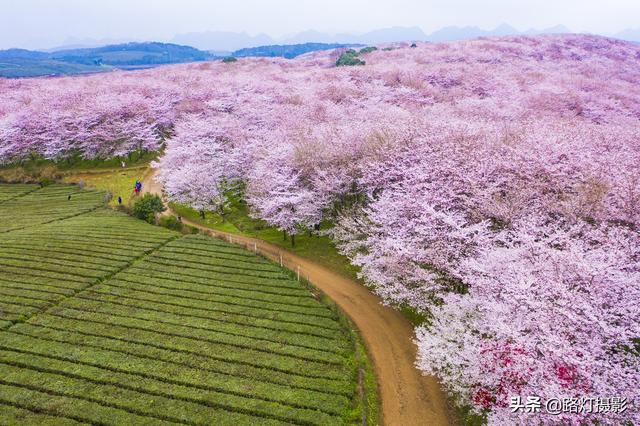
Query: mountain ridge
217, 40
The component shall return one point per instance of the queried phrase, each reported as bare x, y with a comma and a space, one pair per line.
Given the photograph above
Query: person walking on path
119, 200
138, 187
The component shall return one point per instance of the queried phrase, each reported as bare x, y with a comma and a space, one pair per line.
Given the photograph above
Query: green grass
118, 182
105, 319
104, 175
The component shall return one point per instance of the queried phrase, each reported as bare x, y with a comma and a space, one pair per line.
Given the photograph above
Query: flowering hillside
493, 185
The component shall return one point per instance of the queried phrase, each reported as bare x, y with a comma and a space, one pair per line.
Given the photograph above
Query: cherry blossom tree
200, 166
552, 312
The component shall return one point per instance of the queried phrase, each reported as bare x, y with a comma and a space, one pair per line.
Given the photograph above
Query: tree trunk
284, 235
293, 240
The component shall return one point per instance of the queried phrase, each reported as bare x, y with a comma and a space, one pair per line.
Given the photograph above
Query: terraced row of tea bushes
44, 264
109, 320
10, 191
51, 203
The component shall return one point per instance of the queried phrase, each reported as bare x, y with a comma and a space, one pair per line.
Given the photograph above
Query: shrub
368, 49
147, 207
45, 181
171, 222
230, 59
349, 58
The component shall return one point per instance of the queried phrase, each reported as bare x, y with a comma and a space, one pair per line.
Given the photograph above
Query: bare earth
407, 397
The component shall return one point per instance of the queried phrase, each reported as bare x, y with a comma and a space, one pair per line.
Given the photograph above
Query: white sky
47, 23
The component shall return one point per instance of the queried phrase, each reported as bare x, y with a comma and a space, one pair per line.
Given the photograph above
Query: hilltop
28, 63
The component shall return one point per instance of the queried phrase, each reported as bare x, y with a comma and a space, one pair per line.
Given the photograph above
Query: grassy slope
118, 182
107, 319
105, 175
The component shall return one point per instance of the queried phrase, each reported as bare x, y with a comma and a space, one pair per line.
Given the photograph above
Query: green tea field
105, 319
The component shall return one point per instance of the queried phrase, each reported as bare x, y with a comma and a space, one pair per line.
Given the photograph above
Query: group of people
137, 188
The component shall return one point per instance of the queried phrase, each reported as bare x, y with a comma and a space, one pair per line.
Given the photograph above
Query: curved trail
406, 396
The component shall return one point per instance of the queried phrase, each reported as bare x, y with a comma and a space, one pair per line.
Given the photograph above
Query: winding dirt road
407, 397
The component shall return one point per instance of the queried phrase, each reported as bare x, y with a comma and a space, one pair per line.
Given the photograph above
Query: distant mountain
222, 40
83, 43
132, 54
558, 29
313, 36
22, 54
384, 35
393, 34
464, 33
455, 33
28, 63
629, 35
503, 30
231, 41
288, 50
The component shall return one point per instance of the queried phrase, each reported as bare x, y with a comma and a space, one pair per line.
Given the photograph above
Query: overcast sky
48, 23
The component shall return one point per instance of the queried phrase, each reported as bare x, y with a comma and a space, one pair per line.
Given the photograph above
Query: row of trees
491, 185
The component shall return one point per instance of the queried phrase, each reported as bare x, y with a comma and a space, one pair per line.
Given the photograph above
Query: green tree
368, 49
348, 58
171, 222
147, 207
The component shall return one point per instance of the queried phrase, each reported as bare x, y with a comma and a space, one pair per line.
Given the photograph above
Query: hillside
11, 67
288, 51
105, 319
25, 63
132, 54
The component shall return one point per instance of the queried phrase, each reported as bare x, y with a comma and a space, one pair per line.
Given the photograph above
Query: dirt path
407, 397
